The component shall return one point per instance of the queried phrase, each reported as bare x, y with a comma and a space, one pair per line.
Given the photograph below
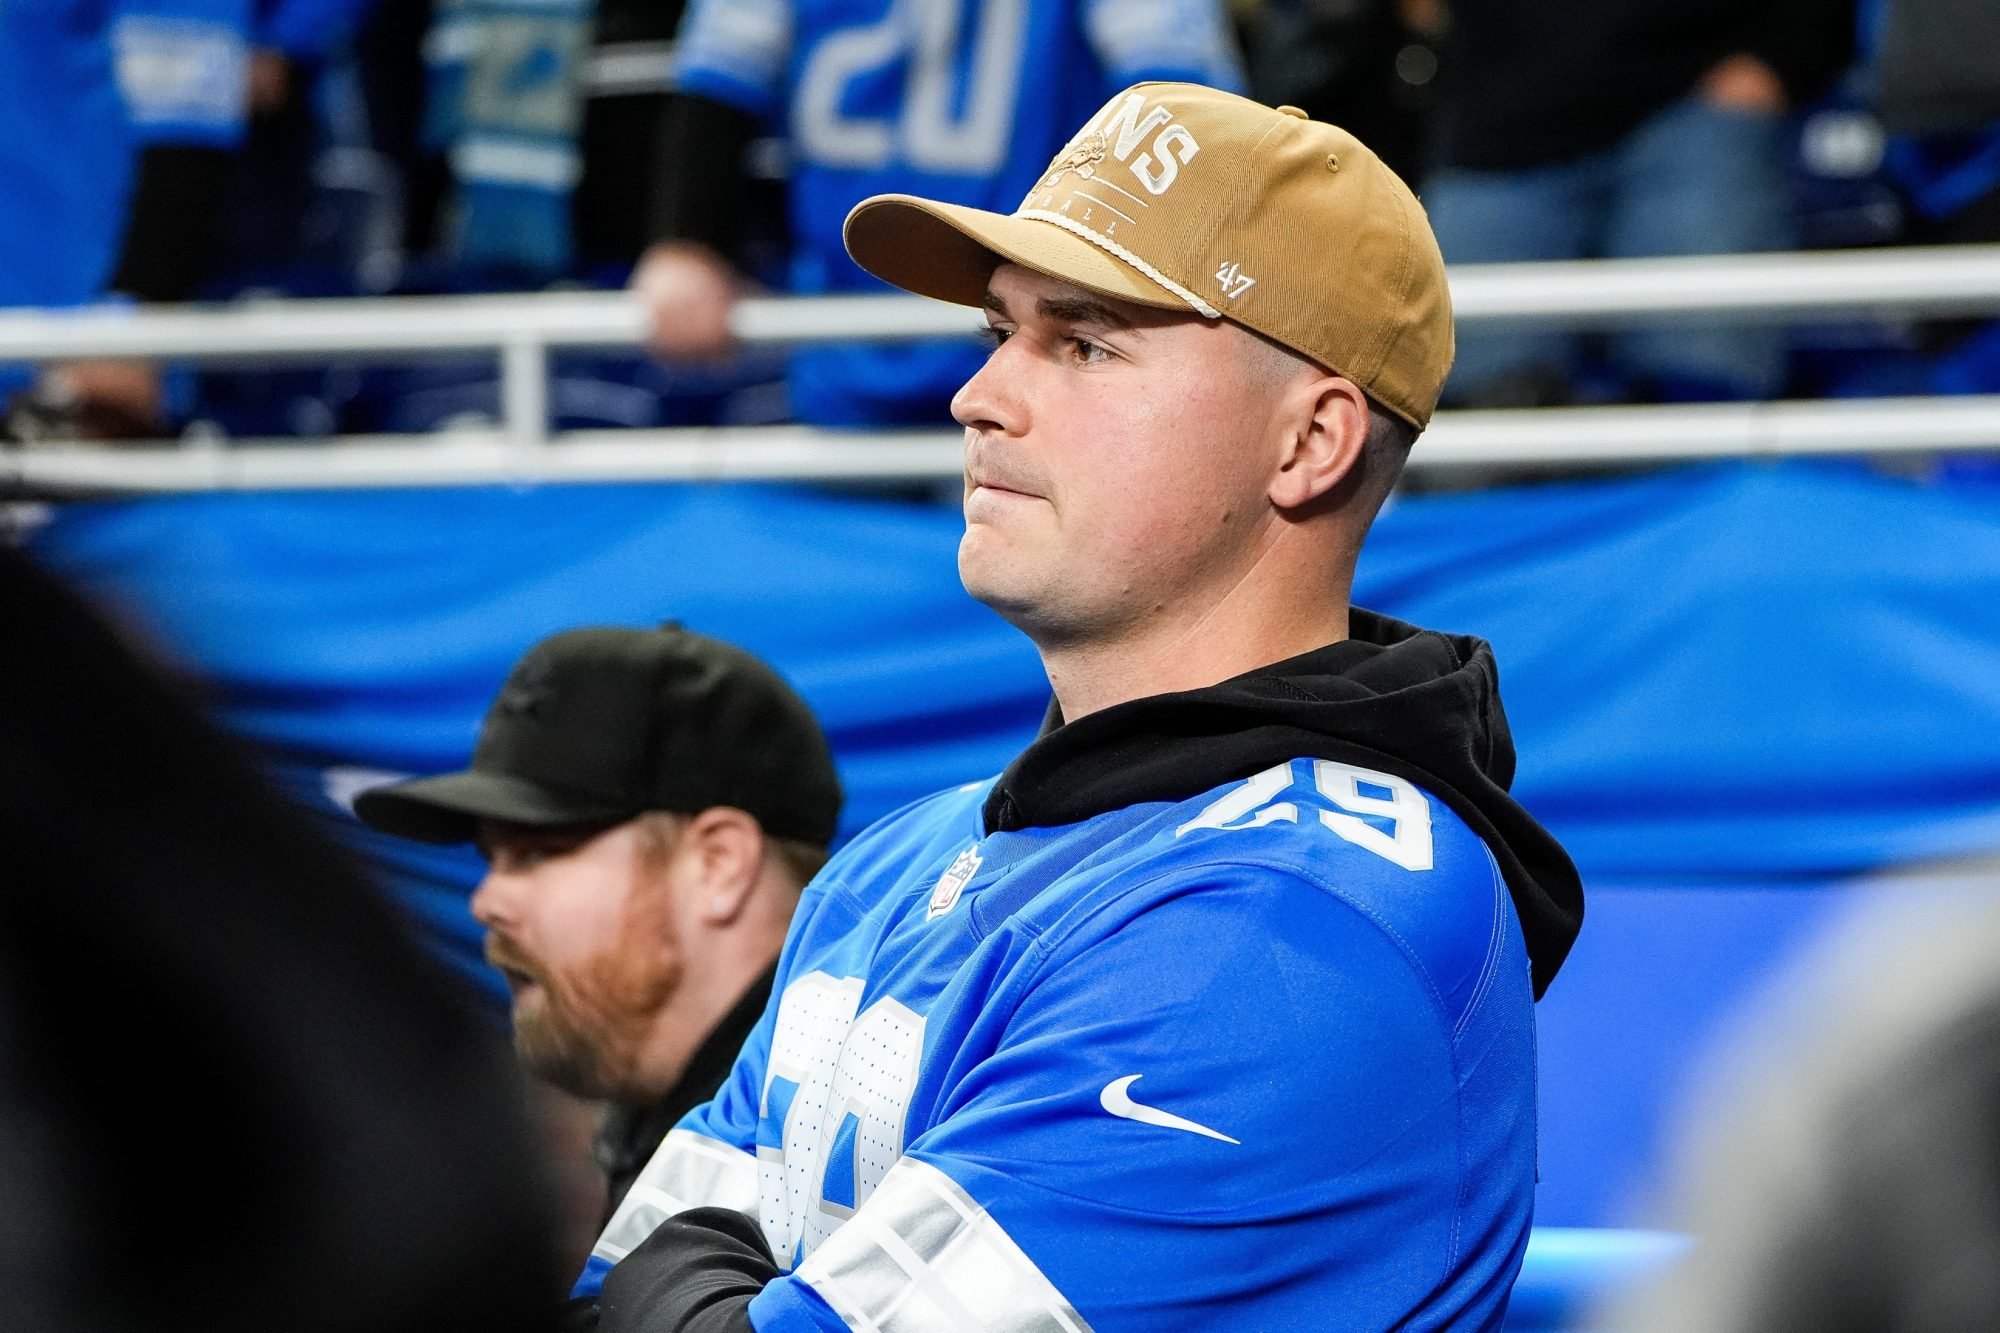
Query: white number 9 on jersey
1379, 812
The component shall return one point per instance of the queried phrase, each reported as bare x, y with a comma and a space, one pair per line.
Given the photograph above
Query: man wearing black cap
650, 803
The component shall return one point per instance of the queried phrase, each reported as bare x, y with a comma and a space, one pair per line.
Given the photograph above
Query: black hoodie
1421, 705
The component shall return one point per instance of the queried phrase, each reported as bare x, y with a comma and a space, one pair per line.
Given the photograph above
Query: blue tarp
1720, 671
1731, 685
361, 634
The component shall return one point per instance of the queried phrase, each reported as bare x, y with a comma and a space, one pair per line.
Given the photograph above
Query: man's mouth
991, 469
511, 970
1002, 486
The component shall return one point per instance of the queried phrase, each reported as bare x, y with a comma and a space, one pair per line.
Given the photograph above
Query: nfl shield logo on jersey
952, 882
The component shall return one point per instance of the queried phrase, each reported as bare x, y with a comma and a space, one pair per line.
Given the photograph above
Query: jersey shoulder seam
1046, 945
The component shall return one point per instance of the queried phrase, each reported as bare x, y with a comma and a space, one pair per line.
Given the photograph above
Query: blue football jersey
84, 84
1258, 1060
963, 101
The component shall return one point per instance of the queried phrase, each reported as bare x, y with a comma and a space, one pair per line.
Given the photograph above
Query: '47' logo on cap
1234, 280
950, 884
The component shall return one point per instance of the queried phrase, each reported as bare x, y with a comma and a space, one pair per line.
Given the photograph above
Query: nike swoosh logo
1117, 1099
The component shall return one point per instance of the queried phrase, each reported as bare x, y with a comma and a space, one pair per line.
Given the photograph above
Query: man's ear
1325, 423
726, 846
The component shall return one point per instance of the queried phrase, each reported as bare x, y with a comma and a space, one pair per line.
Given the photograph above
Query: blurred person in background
1934, 81
548, 120
958, 100
121, 120
1846, 1177
519, 143
269, 224
1368, 66
1573, 129
650, 803
234, 1092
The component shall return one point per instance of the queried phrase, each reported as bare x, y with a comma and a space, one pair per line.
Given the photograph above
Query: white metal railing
522, 331
1456, 441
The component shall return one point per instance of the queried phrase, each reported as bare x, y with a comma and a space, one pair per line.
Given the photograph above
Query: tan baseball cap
1187, 198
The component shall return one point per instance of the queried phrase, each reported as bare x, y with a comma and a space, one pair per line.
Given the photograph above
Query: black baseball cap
595, 726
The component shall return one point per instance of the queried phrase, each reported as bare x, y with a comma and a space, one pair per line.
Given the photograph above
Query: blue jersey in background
963, 101
84, 86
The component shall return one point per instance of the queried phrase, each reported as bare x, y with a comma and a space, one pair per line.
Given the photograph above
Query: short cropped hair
1387, 447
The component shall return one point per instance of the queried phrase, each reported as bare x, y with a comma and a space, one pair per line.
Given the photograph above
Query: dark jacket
626, 1141
1526, 83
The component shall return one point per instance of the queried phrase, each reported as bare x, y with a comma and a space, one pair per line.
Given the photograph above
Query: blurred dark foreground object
1846, 1175
233, 1093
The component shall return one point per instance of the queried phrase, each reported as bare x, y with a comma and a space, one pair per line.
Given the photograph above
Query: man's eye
516, 856
1087, 352
993, 337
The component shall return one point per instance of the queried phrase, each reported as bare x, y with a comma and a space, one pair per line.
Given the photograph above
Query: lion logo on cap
527, 689
1082, 158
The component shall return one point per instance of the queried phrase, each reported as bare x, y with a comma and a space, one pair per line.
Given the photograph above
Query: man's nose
493, 900
990, 401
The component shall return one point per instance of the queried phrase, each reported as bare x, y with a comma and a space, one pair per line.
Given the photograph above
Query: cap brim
449, 807
948, 252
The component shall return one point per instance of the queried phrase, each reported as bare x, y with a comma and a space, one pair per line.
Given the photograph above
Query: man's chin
555, 1056
530, 1005
1039, 611
992, 569
1033, 616
1007, 603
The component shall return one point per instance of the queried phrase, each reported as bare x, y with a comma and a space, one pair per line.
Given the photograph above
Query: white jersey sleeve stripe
920, 1254
688, 1170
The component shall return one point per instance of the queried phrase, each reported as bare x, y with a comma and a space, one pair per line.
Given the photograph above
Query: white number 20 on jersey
957, 111
1376, 811
836, 1092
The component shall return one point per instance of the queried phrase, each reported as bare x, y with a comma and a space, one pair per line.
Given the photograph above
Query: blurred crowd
168, 150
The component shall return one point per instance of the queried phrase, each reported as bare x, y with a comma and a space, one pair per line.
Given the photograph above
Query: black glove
695, 1274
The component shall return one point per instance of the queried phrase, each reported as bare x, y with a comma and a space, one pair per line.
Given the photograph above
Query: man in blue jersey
118, 123
962, 100
1214, 1011
105, 104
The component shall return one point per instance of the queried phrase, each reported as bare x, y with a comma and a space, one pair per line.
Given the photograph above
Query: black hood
1421, 705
